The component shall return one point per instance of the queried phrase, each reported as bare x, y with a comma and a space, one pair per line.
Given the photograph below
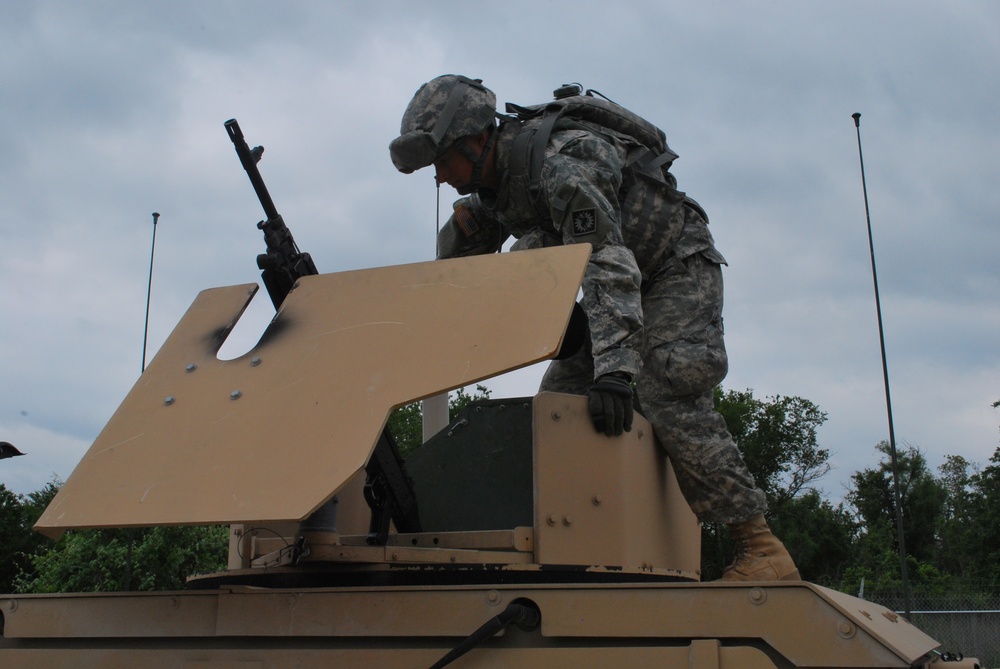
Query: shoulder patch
584, 221
466, 221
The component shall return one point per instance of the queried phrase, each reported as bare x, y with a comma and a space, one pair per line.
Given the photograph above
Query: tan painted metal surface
607, 501
784, 625
273, 434
696, 656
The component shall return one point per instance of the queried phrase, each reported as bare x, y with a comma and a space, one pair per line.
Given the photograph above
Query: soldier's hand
611, 405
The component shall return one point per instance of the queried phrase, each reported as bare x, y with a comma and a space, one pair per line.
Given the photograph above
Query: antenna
885, 376
434, 411
149, 289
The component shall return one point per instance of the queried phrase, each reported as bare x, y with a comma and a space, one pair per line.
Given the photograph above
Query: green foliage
951, 528
18, 542
406, 425
777, 437
819, 535
958, 526
983, 533
922, 499
463, 399
158, 558
716, 550
778, 440
406, 422
11, 537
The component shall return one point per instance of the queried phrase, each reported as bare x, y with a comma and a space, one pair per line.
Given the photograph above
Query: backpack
570, 106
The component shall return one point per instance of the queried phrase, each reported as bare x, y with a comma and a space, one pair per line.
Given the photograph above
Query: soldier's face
456, 166
454, 169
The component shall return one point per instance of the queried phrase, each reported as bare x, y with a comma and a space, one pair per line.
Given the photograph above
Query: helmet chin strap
477, 162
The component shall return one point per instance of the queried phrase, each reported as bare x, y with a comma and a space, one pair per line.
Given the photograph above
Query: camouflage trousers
684, 358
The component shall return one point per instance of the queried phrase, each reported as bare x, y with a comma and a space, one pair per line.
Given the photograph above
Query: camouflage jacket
588, 194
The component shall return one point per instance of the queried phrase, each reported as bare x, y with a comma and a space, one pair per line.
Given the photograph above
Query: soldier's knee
689, 366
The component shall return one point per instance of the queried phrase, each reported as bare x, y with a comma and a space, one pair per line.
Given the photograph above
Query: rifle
388, 490
283, 263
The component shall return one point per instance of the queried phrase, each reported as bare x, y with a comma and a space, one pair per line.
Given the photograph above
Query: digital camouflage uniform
652, 293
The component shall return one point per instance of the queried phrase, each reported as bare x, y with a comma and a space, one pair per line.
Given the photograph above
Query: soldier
652, 291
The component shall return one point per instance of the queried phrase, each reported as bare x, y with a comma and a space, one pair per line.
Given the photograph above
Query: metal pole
885, 376
149, 289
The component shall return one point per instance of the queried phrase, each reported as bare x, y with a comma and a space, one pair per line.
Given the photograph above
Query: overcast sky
110, 111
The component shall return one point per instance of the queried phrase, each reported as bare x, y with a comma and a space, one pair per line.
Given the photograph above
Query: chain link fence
968, 624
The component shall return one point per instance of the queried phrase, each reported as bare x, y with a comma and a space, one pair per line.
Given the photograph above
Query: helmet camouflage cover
441, 112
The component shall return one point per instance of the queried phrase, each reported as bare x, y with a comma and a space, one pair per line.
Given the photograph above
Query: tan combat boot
760, 556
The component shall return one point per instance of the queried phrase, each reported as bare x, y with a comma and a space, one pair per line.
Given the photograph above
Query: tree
777, 438
984, 541
406, 425
922, 498
18, 542
12, 539
157, 558
819, 536
958, 526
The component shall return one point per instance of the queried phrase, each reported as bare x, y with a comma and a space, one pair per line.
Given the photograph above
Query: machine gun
283, 263
388, 490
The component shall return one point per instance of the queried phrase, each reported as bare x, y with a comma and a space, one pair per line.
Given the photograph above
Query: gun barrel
250, 165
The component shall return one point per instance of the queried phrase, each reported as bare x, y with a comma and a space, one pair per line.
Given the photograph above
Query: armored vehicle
516, 537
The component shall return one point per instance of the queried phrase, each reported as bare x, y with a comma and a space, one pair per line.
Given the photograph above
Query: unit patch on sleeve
584, 221
466, 221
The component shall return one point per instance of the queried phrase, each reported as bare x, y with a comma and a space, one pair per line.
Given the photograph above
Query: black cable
526, 617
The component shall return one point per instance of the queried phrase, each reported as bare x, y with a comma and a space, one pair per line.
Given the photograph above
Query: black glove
611, 405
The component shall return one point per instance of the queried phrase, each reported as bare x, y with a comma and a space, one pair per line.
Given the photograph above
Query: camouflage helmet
441, 112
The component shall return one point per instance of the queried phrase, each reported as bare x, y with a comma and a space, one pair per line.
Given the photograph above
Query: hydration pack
652, 157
